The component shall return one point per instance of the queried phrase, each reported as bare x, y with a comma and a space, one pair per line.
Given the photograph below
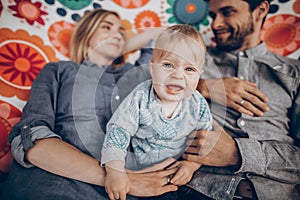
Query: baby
159, 114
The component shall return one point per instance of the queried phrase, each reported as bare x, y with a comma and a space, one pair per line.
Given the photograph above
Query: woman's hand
152, 181
213, 148
235, 93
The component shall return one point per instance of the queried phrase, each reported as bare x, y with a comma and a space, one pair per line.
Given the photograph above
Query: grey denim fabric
62, 106
269, 145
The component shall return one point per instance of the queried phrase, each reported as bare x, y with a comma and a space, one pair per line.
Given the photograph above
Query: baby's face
174, 78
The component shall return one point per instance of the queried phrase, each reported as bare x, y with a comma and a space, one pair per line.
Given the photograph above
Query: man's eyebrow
227, 8
223, 9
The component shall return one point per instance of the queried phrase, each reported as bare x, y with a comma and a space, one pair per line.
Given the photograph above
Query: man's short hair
254, 3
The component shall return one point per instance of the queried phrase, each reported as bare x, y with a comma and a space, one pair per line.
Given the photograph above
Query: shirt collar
256, 51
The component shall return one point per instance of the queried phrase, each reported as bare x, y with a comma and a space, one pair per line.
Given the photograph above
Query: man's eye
212, 15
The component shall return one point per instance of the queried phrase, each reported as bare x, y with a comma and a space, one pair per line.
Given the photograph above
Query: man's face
232, 23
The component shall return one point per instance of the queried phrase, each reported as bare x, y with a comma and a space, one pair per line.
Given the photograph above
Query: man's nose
217, 22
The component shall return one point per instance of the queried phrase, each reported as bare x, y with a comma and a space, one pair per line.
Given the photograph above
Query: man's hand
235, 93
152, 181
185, 172
213, 148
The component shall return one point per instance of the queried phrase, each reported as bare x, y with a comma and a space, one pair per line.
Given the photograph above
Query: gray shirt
72, 102
269, 145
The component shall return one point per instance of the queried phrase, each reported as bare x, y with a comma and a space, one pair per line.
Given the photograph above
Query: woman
58, 141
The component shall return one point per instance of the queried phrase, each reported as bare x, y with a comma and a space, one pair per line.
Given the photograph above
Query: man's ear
262, 10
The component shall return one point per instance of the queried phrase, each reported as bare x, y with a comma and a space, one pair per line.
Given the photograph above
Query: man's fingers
123, 195
193, 150
167, 188
255, 91
167, 172
177, 176
111, 195
173, 165
192, 158
156, 167
256, 101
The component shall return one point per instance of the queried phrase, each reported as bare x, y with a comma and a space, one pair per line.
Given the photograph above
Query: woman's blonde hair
173, 40
84, 31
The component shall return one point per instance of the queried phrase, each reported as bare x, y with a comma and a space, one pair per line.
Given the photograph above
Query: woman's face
108, 40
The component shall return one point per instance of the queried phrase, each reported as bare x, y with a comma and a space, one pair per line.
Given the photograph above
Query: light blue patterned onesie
154, 137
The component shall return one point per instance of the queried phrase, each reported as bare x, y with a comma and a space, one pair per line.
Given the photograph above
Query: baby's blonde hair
174, 38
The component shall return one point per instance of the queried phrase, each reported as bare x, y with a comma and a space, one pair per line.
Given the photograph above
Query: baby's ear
151, 65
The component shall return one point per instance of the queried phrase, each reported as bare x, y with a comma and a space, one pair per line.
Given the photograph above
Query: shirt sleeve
146, 54
39, 111
121, 127
19, 143
274, 159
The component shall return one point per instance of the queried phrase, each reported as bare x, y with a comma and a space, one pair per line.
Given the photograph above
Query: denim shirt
72, 102
269, 145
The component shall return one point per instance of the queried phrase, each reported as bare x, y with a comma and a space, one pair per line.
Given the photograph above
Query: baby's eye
191, 69
167, 65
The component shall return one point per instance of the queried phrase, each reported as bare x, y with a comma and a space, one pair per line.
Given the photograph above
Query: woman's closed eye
105, 27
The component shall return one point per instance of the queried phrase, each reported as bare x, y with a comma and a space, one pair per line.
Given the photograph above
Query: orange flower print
31, 12
59, 34
22, 56
281, 34
146, 19
20, 64
131, 3
296, 6
9, 116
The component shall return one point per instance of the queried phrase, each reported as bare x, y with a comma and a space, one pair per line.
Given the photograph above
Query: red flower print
31, 12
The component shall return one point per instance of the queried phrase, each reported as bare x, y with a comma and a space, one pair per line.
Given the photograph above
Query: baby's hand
185, 172
117, 183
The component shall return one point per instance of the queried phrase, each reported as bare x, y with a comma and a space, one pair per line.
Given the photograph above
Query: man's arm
277, 160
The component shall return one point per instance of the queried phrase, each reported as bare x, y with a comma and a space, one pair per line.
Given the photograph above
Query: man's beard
236, 38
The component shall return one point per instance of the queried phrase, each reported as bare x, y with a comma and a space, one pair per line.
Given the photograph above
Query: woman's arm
61, 158
141, 40
58, 157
